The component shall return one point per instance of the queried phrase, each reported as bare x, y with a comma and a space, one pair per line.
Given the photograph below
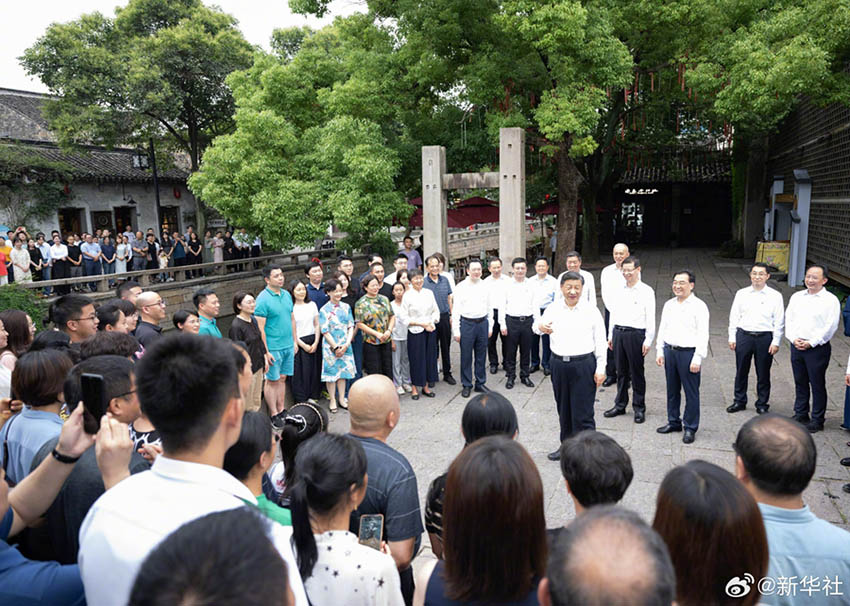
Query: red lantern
177, 193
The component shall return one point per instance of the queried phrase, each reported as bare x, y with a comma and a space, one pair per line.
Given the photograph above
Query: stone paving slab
429, 431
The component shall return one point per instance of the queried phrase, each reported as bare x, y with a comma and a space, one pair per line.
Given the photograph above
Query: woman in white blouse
420, 312
123, 253
330, 483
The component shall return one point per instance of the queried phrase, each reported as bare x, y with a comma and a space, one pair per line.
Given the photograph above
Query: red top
3, 261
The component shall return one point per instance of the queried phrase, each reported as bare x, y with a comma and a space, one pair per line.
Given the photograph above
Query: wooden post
511, 194
434, 200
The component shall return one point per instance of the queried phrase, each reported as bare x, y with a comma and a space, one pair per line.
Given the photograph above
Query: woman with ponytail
330, 482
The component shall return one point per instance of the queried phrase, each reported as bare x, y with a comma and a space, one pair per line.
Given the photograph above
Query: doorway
124, 218
70, 220
101, 219
170, 218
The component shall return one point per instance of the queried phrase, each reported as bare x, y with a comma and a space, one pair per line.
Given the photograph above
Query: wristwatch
64, 458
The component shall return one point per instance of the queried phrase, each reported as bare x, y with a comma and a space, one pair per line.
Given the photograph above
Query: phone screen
371, 530
94, 401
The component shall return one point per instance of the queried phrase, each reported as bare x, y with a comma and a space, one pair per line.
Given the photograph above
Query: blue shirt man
24, 435
209, 327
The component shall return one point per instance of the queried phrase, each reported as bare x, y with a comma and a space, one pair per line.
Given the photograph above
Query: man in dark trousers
611, 281
496, 283
442, 289
520, 314
578, 344
472, 325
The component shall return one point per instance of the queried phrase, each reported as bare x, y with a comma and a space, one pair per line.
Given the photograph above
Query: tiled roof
717, 169
22, 124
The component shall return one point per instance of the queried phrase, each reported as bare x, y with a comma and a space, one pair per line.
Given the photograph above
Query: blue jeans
92, 268
45, 275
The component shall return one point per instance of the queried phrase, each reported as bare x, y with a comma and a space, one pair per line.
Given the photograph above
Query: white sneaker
407, 388
311, 401
400, 390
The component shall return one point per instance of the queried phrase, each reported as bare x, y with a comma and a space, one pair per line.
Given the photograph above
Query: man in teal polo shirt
277, 325
206, 302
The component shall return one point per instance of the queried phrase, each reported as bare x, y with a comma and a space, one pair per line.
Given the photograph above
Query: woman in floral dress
336, 321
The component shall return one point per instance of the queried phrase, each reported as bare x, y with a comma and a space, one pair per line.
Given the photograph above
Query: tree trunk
590, 229
569, 180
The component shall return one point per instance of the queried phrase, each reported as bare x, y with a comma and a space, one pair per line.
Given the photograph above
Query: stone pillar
435, 237
799, 228
511, 194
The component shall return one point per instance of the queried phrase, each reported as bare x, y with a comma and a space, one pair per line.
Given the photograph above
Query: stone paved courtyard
429, 431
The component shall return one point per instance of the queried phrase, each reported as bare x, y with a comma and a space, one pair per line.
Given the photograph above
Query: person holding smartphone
330, 483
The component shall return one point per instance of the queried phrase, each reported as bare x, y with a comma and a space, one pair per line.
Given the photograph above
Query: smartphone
94, 401
371, 530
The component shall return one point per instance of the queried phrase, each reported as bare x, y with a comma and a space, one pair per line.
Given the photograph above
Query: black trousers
575, 391
809, 368
473, 340
536, 358
611, 360
444, 338
628, 344
304, 372
422, 352
677, 371
492, 352
378, 359
519, 335
748, 346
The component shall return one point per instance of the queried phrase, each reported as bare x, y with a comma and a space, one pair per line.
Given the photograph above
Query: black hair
691, 277
488, 414
290, 288
184, 384
201, 295
571, 556
311, 265
18, 329
541, 258
365, 281
822, 267
330, 285
300, 423
240, 354
124, 305
407, 238
376, 264
779, 454
38, 376
326, 466
475, 260
571, 275
371, 257
108, 314
491, 259
400, 256
633, 259
342, 258
240, 296
180, 316
109, 343
573, 253
255, 438
761, 265
225, 558
268, 269
518, 260
412, 273
433, 257
117, 375
597, 469
66, 308
56, 340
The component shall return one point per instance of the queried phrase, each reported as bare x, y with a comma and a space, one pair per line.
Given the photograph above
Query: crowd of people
25, 259
166, 489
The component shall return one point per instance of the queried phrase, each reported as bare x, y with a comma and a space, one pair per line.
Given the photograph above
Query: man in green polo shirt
206, 302
277, 325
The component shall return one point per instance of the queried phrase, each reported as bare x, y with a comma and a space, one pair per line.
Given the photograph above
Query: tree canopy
31, 186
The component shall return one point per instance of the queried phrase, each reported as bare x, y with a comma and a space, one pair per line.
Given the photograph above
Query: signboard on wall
217, 223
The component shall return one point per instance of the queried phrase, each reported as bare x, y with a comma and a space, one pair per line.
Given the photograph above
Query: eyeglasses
91, 317
161, 303
126, 393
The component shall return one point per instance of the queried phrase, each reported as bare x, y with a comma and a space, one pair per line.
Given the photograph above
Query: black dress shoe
804, 419
736, 407
494, 368
762, 409
640, 417
614, 412
669, 428
689, 436
846, 488
609, 381
814, 426
466, 391
414, 396
533, 369
554, 456
527, 382
481, 389
546, 372
428, 394
845, 461
509, 384
449, 379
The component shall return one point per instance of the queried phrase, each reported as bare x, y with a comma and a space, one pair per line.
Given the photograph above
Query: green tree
157, 69
31, 186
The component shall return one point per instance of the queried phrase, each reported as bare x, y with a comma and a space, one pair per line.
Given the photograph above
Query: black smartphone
94, 401
371, 530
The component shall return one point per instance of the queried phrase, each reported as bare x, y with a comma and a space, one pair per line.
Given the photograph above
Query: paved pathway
429, 431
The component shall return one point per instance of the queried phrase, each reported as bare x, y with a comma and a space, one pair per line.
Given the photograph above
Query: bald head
621, 251
148, 305
580, 570
778, 454
373, 407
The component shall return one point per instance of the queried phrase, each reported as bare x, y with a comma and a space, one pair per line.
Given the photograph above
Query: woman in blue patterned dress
336, 321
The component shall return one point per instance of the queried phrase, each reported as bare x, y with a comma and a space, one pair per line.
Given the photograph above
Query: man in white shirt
681, 346
399, 264
189, 388
546, 289
588, 291
756, 322
472, 325
517, 307
631, 330
496, 283
611, 281
810, 321
578, 343
47, 265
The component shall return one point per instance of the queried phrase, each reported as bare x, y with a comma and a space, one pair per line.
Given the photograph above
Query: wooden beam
470, 180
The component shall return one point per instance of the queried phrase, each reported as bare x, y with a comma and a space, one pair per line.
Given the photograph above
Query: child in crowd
401, 363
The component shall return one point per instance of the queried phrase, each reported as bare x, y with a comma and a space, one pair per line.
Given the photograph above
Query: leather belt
520, 318
474, 320
753, 333
573, 358
629, 329
678, 348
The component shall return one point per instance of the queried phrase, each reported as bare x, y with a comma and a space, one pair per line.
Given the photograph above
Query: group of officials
555, 324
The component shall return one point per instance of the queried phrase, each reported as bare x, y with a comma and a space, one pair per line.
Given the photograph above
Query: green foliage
13, 296
31, 186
